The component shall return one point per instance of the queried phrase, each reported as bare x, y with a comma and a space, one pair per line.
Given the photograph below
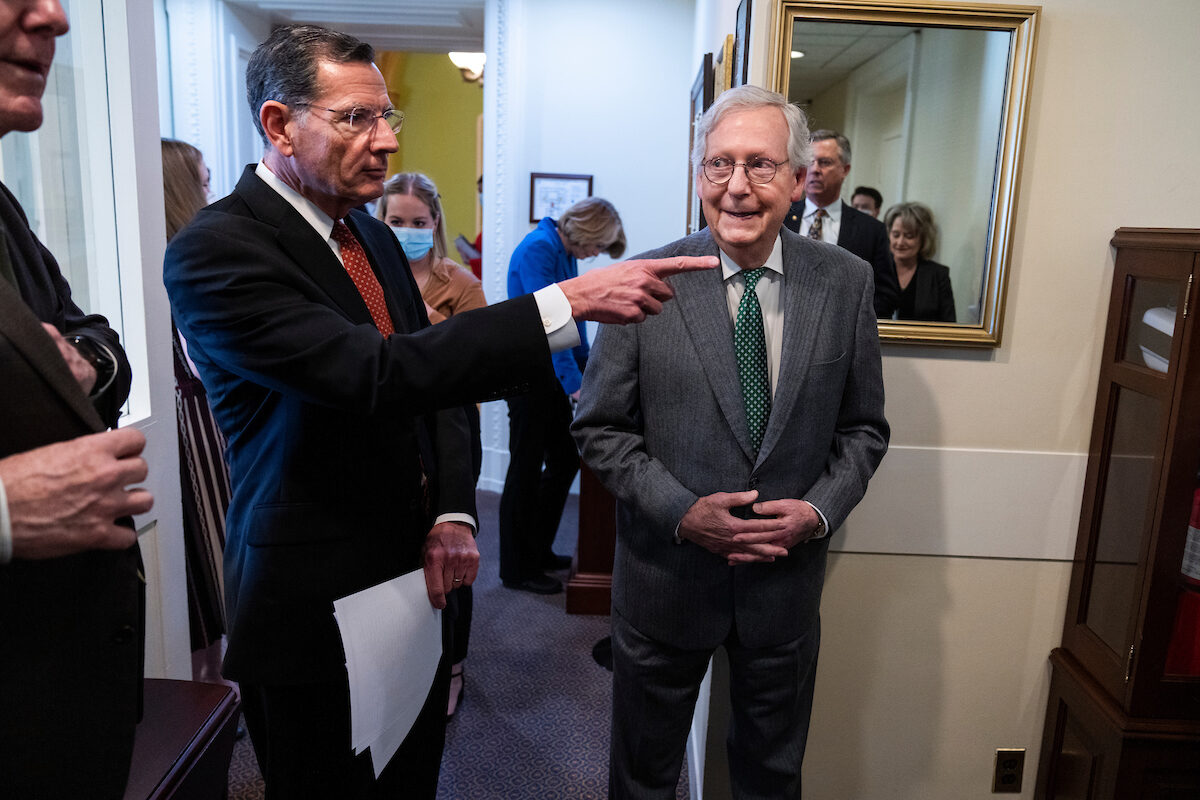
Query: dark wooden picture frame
741, 45
701, 99
551, 193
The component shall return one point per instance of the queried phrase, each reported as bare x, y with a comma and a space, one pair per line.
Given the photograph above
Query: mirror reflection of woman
925, 291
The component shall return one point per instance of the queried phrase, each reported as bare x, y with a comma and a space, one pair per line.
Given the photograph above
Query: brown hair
422, 188
918, 219
594, 222
183, 184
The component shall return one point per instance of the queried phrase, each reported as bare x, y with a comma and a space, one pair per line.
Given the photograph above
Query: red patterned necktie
355, 260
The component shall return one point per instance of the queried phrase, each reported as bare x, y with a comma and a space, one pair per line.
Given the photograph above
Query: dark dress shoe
554, 561
539, 584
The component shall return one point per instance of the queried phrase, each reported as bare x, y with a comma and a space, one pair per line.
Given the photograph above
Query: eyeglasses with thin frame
360, 120
758, 169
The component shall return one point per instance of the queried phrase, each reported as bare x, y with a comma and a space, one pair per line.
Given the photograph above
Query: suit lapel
702, 304
305, 246
24, 332
846, 230
805, 289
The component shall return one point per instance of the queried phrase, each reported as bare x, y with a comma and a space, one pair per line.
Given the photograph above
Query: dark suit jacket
931, 293
867, 238
70, 628
661, 422
328, 424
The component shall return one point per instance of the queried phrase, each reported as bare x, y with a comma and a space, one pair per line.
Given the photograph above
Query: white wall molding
969, 502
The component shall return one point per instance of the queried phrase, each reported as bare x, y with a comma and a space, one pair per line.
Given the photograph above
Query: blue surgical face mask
415, 242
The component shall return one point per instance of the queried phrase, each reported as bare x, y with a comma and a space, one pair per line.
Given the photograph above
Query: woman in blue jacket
542, 455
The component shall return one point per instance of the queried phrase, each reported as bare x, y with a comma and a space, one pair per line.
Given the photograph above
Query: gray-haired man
737, 430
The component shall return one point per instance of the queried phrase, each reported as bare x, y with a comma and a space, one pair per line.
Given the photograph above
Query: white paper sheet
393, 642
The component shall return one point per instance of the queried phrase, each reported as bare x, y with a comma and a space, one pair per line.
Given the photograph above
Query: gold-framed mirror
933, 98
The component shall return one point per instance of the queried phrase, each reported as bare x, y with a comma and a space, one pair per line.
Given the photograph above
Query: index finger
434, 585
666, 267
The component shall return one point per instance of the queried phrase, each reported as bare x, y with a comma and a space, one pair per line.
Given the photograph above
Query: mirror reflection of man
737, 430
71, 591
822, 214
868, 200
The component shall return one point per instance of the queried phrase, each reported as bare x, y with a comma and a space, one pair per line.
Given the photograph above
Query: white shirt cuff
824, 522
466, 519
555, 310
6, 540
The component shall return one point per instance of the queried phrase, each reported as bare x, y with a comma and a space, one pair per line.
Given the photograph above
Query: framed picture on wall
723, 75
741, 44
702, 98
552, 193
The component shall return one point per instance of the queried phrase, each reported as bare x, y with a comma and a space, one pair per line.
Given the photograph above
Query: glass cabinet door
1131, 610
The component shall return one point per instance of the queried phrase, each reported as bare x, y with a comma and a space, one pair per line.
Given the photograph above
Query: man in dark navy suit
71, 591
348, 450
823, 215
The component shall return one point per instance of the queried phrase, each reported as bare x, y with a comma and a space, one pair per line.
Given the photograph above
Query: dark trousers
654, 695
531, 505
461, 602
301, 738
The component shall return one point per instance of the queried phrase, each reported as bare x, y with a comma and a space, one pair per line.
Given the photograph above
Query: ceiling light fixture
470, 65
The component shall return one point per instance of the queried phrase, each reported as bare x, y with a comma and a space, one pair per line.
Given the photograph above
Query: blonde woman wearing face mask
412, 207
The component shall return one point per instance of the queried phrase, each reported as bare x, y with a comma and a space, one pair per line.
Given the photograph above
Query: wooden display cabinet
1123, 720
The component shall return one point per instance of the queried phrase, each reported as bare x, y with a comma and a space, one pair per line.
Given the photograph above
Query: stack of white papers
393, 642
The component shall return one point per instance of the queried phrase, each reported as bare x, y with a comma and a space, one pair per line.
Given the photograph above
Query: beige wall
932, 661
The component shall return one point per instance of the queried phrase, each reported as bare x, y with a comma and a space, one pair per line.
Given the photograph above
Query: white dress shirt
770, 292
831, 226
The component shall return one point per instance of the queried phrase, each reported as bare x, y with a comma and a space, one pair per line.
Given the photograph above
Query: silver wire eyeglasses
360, 120
758, 170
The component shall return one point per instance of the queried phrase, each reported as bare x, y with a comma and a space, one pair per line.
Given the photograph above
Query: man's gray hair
747, 98
284, 67
842, 142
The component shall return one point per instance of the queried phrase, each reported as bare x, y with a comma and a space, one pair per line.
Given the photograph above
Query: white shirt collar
833, 210
322, 223
774, 261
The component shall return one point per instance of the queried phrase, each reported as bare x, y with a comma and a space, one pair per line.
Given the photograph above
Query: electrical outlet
1010, 763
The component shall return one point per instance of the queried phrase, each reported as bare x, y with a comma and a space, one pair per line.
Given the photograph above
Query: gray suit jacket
661, 422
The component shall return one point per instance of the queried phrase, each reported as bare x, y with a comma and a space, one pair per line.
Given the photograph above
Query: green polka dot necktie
750, 346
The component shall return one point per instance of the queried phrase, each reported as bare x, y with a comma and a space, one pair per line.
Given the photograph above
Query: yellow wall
441, 117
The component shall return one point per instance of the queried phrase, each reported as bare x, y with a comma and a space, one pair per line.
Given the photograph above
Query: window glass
62, 173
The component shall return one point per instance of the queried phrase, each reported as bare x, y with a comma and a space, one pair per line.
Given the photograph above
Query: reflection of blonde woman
925, 291
412, 207
204, 478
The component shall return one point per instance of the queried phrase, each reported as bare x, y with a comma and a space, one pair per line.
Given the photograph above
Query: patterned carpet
533, 723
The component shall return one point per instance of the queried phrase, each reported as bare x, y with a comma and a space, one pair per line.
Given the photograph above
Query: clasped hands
784, 523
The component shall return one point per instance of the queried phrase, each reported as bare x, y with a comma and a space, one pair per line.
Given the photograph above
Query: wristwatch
100, 358
820, 529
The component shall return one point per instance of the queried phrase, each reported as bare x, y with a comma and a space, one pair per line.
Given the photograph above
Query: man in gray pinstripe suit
727, 490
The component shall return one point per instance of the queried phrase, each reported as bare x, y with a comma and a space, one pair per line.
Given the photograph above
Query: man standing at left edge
71, 591
312, 340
